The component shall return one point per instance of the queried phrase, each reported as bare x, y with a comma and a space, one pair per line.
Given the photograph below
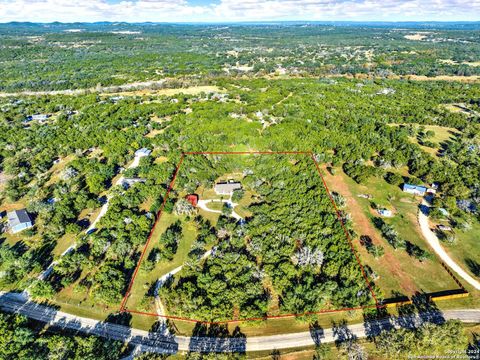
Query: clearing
399, 274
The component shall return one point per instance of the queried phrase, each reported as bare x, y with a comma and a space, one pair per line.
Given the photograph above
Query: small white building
143, 152
39, 117
385, 213
444, 228
414, 189
128, 182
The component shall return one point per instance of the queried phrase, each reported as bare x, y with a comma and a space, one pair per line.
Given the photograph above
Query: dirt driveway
363, 226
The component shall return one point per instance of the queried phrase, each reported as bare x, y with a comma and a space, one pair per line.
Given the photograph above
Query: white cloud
237, 10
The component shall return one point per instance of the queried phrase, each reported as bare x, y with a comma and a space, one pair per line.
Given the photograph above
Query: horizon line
249, 22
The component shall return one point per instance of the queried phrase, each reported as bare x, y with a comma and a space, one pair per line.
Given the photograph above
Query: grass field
466, 249
145, 280
399, 274
442, 135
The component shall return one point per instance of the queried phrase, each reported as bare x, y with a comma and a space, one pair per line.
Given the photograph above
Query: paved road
433, 241
163, 342
124, 87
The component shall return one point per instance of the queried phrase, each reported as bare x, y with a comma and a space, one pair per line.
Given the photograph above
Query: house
414, 189
19, 220
143, 152
38, 117
385, 212
227, 188
192, 199
444, 228
128, 182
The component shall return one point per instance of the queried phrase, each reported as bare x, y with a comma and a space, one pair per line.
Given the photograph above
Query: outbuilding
385, 212
192, 199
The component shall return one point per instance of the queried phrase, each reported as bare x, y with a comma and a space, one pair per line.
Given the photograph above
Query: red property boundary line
310, 154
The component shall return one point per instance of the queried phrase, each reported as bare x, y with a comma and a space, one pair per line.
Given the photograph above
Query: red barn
192, 199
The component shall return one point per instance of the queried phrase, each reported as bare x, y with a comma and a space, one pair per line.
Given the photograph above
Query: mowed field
442, 136
145, 280
399, 274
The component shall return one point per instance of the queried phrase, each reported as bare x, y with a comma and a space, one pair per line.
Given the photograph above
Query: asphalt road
163, 342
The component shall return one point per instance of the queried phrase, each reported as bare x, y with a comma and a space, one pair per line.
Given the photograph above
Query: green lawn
145, 279
400, 268
63, 244
442, 134
217, 206
465, 251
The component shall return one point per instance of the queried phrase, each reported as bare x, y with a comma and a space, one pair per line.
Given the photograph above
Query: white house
128, 182
19, 220
227, 188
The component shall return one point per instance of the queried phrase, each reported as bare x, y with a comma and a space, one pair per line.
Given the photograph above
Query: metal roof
414, 187
228, 187
18, 217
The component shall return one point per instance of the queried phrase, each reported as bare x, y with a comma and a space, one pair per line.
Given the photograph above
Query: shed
385, 212
192, 199
444, 228
19, 220
128, 182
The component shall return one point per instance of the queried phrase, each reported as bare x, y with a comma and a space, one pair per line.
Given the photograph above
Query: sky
238, 10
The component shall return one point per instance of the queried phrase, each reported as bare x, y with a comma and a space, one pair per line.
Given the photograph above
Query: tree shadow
473, 349
119, 318
342, 333
275, 354
317, 333
216, 338
376, 321
473, 266
427, 310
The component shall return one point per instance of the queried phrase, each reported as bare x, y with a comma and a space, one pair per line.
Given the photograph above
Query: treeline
21, 339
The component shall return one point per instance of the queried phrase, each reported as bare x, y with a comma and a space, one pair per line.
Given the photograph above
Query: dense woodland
344, 122
22, 339
291, 254
63, 169
109, 54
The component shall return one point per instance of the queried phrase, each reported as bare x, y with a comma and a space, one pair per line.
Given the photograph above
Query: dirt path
364, 226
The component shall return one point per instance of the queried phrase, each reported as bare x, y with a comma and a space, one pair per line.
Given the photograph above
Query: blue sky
238, 10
